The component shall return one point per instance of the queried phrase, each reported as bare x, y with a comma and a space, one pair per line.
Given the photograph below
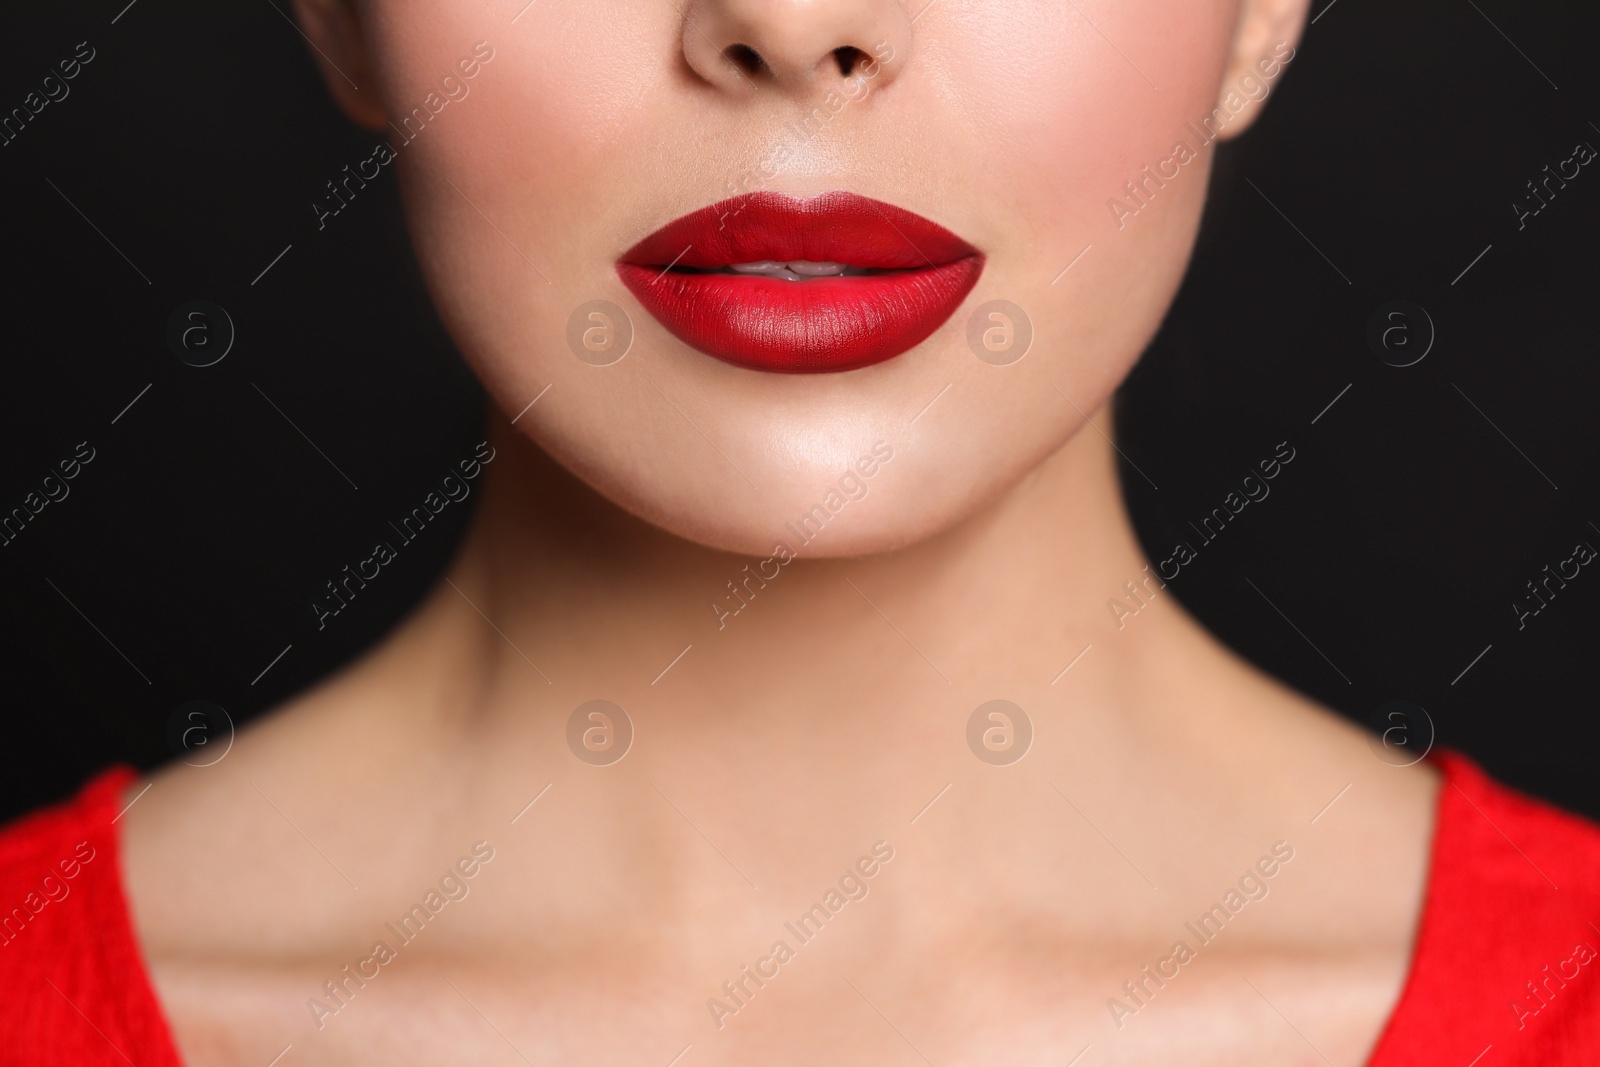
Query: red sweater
1504, 973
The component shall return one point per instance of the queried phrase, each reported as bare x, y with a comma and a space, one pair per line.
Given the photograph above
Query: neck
558, 597
838, 702
833, 711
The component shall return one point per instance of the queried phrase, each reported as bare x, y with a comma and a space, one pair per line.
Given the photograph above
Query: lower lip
825, 324
818, 325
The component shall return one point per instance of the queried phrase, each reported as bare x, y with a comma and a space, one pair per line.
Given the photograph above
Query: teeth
795, 270
816, 270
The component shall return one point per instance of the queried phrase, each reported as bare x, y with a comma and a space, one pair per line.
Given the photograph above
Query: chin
815, 481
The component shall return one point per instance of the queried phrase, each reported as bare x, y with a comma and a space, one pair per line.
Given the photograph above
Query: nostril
849, 58
745, 58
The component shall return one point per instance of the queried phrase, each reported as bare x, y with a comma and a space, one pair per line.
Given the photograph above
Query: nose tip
795, 46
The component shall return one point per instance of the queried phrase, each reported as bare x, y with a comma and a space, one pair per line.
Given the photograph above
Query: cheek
1056, 117
1074, 91
1067, 103
534, 150
512, 194
1062, 105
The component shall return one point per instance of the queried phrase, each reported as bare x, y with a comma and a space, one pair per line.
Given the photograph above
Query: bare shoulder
268, 845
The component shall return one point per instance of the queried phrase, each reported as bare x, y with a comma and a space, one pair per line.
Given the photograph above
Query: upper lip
832, 228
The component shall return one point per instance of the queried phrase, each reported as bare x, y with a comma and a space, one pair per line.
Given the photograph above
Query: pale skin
831, 710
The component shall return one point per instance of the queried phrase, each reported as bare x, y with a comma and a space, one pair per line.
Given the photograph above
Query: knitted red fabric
1505, 971
73, 986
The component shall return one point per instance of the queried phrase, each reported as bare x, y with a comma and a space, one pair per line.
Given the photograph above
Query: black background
1385, 560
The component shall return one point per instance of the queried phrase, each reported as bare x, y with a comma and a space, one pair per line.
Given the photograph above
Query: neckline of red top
1500, 972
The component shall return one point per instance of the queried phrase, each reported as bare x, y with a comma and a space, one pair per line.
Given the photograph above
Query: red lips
903, 277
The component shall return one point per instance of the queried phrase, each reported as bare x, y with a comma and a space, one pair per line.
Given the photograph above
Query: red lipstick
777, 283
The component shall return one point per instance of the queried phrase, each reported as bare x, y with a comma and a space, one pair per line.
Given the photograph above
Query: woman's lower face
741, 243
